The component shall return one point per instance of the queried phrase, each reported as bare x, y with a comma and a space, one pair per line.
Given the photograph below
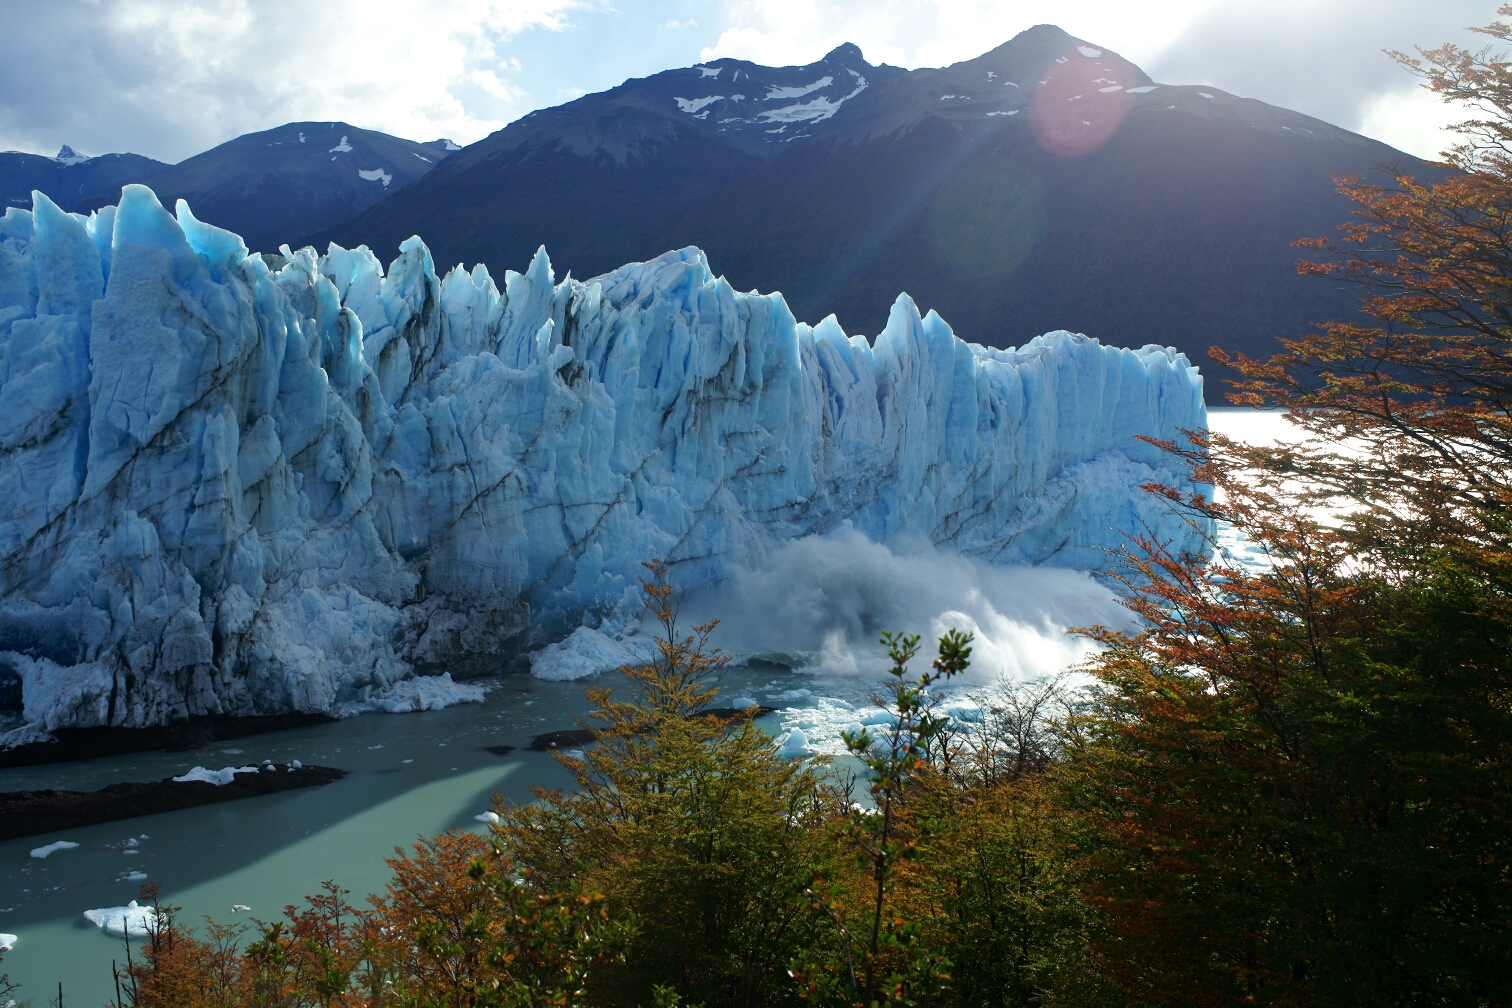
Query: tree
428, 934
993, 885
315, 957
877, 964
690, 823
7, 987
544, 944
1293, 790
1294, 786
1422, 396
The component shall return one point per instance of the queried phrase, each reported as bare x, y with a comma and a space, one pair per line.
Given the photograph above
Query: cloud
911, 34
1326, 60
170, 78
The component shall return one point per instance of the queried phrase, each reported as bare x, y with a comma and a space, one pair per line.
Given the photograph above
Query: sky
171, 78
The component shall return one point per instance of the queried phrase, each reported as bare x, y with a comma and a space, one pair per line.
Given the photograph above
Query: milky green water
411, 775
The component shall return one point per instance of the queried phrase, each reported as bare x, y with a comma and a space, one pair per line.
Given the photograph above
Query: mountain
274, 186
68, 176
608, 173
1047, 184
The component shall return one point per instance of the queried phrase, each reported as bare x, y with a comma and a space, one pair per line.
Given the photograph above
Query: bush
691, 824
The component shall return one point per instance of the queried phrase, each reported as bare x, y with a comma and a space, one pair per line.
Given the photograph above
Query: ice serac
238, 491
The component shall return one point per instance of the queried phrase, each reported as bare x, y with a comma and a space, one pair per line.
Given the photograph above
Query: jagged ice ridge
238, 490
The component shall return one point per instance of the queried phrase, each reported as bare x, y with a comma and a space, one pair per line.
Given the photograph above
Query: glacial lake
410, 775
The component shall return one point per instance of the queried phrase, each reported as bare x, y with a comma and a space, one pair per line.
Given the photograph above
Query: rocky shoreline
70, 744
583, 736
27, 813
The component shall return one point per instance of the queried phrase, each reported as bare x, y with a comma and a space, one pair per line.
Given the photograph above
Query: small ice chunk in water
135, 876
296, 765
489, 817
42, 852
741, 703
7, 942
129, 921
793, 743
239, 906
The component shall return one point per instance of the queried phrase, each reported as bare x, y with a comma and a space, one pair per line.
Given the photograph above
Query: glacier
243, 485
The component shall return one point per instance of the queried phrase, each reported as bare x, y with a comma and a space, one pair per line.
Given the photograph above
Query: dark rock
582, 736
26, 813
499, 750
558, 739
86, 743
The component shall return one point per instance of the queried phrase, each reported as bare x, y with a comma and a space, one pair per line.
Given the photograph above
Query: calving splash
821, 603
235, 489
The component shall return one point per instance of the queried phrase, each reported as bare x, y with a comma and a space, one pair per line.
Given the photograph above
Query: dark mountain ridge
68, 177
1046, 184
592, 173
274, 186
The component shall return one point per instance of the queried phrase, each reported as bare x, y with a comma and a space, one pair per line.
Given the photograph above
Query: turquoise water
411, 775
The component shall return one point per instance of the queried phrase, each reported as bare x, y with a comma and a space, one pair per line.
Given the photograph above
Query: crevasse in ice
235, 490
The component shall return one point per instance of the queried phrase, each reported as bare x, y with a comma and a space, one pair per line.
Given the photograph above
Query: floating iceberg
52, 848
129, 921
234, 489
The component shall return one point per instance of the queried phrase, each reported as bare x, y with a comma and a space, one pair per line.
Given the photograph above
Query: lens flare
1081, 102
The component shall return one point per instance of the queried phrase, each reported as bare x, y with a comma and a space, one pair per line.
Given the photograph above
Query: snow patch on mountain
816, 111
774, 91
377, 175
692, 105
343, 147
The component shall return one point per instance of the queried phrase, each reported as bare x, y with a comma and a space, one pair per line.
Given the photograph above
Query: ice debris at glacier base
238, 491
220, 777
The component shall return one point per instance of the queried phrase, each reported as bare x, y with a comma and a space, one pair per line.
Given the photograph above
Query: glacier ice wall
238, 490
